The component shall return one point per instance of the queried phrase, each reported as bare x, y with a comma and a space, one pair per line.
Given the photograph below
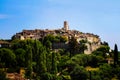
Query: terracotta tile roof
14, 76
4, 42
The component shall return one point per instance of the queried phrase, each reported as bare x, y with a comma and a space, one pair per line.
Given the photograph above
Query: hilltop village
93, 41
60, 54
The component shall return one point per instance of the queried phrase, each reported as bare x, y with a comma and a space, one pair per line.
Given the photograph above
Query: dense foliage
41, 62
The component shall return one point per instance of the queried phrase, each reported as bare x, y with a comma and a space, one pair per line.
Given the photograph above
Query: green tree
63, 39
82, 46
49, 37
29, 62
101, 51
73, 46
85, 60
7, 57
79, 73
115, 55
20, 57
106, 72
105, 43
116, 72
15, 44
48, 44
54, 63
35, 48
41, 61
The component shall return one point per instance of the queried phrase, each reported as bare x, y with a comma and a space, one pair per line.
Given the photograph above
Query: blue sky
100, 17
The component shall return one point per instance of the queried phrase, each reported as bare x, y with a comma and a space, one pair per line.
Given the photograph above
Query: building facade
93, 41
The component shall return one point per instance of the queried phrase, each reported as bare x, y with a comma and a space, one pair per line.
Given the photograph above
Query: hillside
93, 41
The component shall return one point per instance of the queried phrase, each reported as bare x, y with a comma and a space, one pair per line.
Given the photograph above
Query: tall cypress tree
54, 63
41, 61
73, 46
29, 62
36, 47
115, 55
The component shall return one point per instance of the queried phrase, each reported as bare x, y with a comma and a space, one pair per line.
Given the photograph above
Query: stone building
93, 41
4, 44
66, 26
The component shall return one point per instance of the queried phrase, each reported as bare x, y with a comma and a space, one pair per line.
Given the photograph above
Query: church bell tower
66, 27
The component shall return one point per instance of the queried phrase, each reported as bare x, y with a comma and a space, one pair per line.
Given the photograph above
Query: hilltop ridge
93, 41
